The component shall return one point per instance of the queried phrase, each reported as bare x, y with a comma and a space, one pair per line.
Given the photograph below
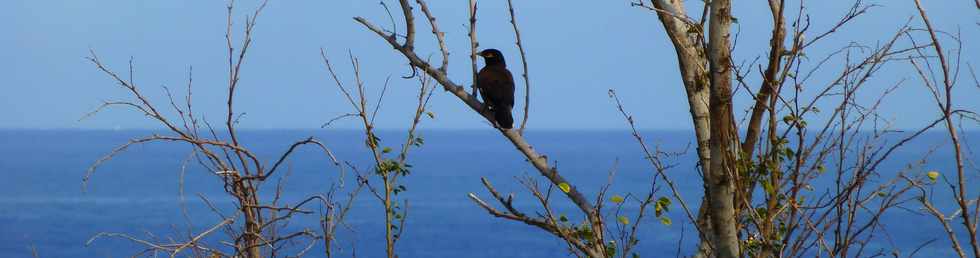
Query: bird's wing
497, 86
488, 81
507, 89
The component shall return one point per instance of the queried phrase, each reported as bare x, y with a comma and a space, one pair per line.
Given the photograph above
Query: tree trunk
251, 237
720, 183
692, 64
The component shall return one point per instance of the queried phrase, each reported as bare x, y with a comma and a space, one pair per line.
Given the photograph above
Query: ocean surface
44, 206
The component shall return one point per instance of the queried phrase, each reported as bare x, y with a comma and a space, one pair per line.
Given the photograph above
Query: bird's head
492, 56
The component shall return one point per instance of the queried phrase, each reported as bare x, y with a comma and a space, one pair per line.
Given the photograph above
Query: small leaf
563, 218
789, 153
933, 175
664, 201
662, 205
564, 187
623, 220
666, 221
616, 199
430, 114
386, 150
789, 119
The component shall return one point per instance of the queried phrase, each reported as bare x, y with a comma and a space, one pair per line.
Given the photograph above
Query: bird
496, 85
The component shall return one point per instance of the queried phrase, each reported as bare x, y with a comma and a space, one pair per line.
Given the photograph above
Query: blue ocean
45, 208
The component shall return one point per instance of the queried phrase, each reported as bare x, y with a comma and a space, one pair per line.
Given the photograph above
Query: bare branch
473, 43
527, 82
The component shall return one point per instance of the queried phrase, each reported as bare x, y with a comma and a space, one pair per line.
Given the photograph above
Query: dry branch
527, 82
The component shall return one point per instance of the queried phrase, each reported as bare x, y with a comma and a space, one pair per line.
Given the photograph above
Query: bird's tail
503, 117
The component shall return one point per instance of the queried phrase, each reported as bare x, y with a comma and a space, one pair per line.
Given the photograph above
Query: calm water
43, 204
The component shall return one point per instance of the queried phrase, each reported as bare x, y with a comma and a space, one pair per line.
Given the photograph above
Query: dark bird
496, 84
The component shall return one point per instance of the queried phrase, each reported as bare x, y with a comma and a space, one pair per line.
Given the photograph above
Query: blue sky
577, 51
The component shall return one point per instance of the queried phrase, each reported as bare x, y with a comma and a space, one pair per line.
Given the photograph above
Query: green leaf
430, 114
616, 199
562, 218
662, 205
933, 175
399, 189
611, 249
623, 220
664, 200
386, 150
564, 187
789, 119
666, 221
789, 153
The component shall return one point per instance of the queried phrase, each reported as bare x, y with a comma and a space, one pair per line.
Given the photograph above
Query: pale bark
720, 184
688, 45
692, 64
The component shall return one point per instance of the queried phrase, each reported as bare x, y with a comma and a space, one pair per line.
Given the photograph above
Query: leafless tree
388, 169
257, 227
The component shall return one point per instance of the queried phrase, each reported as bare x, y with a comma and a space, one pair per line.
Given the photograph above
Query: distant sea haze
44, 206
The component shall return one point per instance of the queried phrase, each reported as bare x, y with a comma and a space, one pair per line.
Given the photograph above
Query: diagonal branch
513, 214
440, 36
537, 160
